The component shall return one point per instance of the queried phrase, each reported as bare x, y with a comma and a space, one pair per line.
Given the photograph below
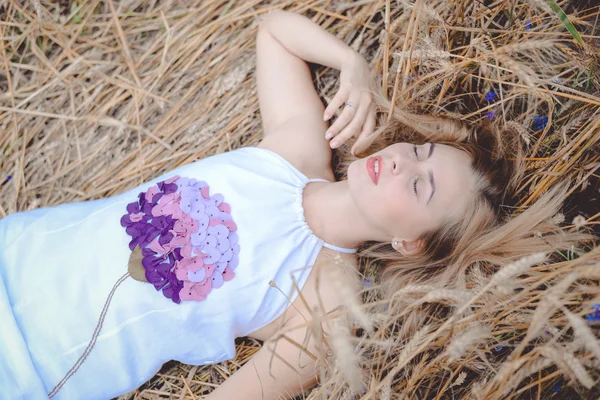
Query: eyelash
417, 156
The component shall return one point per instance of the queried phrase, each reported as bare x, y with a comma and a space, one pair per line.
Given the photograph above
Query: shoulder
313, 161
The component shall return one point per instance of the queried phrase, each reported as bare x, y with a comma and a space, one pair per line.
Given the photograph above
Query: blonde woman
97, 295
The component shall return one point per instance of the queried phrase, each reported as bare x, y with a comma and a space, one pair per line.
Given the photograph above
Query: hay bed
97, 97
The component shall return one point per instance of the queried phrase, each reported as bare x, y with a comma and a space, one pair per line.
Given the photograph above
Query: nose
400, 165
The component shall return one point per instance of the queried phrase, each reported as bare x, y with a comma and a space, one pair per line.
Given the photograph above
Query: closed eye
416, 180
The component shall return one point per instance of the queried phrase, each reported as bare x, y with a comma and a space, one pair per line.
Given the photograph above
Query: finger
343, 120
353, 128
365, 138
339, 99
361, 116
369, 126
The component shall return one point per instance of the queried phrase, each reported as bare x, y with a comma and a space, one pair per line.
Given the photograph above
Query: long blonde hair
488, 233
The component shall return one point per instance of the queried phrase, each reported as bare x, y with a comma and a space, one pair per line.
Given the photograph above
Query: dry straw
97, 97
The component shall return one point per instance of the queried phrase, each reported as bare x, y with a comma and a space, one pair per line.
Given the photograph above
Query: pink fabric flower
187, 235
151, 192
195, 291
137, 217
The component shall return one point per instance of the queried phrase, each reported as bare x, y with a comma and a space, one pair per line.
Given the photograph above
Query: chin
356, 183
351, 174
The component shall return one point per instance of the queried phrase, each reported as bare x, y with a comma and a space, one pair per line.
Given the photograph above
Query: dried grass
101, 96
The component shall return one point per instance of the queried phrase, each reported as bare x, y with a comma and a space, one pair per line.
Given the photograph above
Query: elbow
269, 17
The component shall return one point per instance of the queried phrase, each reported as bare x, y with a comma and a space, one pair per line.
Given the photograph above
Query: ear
409, 247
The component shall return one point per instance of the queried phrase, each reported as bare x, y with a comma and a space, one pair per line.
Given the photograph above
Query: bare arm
293, 369
307, 40
290, 108
267, 376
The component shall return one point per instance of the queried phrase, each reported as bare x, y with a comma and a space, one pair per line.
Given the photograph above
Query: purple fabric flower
142, 200
167, 188
188, 238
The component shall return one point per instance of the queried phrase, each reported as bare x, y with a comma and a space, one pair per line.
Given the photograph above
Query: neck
332, 215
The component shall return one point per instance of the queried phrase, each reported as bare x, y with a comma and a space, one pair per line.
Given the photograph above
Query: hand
358, 120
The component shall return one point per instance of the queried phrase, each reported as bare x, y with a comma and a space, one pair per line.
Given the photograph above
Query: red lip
371, 168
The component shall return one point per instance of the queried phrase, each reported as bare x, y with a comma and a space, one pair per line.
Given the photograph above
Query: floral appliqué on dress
188, 238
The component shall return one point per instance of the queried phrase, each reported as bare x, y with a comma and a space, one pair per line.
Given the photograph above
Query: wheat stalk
475, 333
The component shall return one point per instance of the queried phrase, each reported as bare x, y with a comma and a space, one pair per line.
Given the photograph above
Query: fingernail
328, 135
333, 145
326, 117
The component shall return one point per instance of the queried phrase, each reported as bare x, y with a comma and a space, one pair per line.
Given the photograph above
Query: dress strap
340, 249
317, 180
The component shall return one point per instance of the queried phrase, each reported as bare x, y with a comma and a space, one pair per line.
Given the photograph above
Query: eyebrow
431, 181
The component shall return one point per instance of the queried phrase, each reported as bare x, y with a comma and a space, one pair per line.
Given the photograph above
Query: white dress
58, 266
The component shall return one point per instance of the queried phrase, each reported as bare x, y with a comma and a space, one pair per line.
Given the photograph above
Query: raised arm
291, 110
284, 43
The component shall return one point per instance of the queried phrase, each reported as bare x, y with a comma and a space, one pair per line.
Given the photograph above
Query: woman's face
416, 188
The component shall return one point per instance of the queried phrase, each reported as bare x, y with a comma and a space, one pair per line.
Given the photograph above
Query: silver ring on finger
349, 104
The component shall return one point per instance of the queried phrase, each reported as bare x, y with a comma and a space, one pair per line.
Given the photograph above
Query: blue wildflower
490, 115
491, 95
498, 348
367, 283
594, 316
528, 25
539, 122
410, 78
556, 387
8, 178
